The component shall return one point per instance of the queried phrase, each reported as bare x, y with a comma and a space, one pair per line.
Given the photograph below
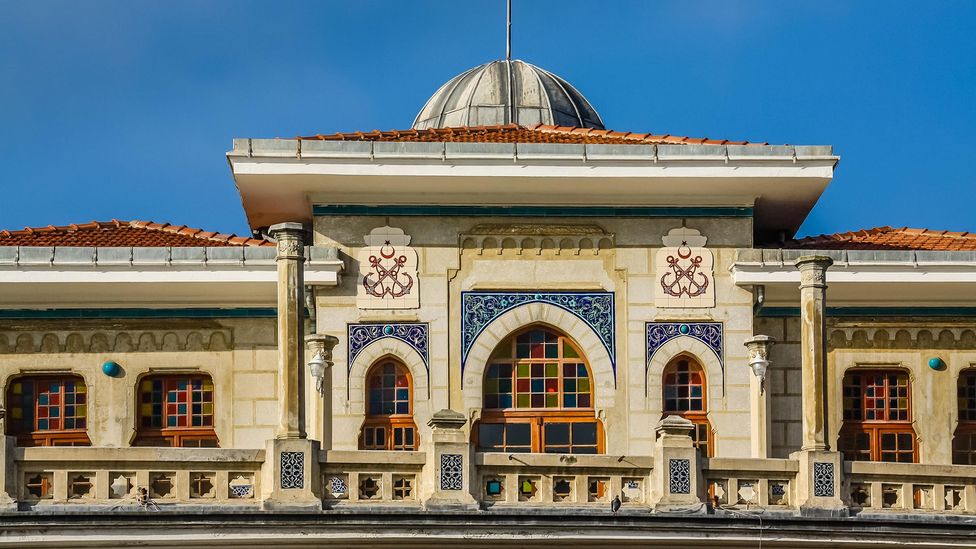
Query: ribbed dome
481, 97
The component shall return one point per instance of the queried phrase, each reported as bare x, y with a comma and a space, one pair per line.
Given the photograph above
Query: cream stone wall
606, 254
239, 354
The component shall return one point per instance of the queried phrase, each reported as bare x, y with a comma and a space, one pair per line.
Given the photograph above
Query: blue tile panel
659, 333
413, 334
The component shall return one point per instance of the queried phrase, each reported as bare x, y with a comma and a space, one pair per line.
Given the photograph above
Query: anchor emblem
681, 278
385, 279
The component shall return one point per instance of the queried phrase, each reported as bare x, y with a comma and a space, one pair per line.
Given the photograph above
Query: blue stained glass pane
569, 385
55, 387
505, 386
69, 411
197, 421
42, 400
171, 421
538, 385
505, 401
581, 370
569, 401
376, 395
552, 351
696, 391
157, 409
69, 387
197, 397
403, 394
402, 408
157, 385
69, 423
181, 409
54, 412
42, 424
197, 408
388, 408
197, 384
181, 385
171, 396
375, 408
69, 398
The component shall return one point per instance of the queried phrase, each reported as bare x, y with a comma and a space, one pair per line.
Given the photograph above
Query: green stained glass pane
552, 370
583, 386
552, 400
523, 370
569, 351
523, 401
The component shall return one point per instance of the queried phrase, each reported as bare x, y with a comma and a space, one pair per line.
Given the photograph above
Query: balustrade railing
909, 487
372, 477
749, 481
566, 480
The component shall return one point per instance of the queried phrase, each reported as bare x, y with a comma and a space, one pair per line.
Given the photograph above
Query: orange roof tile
124, 233
888, 238
513, 133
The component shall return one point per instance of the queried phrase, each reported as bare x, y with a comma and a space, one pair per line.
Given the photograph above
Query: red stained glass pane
684, 388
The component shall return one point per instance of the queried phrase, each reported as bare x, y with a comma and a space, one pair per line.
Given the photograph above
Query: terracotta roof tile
512, 133
123, 233
888, 238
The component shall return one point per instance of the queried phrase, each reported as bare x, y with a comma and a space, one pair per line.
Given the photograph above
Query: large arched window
538, 397
685, 395
176, 410
877, 417
48, 410
964, 440
389, 408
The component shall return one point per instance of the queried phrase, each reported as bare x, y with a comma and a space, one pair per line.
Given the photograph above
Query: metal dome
482, 96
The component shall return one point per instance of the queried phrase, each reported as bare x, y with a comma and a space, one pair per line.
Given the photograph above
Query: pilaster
675, 478
449, 462
813, 343
291, 285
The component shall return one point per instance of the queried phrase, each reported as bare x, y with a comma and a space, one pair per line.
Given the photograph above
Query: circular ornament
936, 363
111, 369
684, 329
388, 330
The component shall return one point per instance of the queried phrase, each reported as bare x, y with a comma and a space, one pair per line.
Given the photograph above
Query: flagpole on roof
512, 112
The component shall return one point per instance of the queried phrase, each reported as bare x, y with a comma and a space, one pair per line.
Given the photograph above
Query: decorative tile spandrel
388, 276
684, 270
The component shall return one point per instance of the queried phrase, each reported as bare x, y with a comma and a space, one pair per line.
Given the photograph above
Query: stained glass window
48, 410
877, 416
176, 410
684, 395
536, 383
964, 439
389, 422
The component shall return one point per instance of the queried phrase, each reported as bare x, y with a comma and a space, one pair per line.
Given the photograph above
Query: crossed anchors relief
386, 278
684, 269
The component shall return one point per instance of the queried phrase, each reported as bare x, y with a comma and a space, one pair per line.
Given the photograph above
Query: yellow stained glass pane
552, 370
146, 409
80, 387
147, 385
18, 388
569, 351
17, 413
81, 411
208, 409
207, 385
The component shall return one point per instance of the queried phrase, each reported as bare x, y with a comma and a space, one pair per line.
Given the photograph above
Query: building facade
498, 323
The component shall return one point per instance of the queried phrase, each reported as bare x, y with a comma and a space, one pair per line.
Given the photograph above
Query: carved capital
813, 270
289, 238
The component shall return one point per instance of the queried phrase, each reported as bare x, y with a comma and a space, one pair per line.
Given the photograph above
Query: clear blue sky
124, 109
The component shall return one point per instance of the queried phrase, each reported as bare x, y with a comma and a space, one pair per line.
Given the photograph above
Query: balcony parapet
909, 488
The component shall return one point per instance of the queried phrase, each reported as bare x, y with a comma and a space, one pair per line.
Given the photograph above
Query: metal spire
512, 111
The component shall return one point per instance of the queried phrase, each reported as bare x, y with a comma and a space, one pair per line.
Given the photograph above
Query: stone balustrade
563, 480
909, 488
128, 476
372, 477
749, 482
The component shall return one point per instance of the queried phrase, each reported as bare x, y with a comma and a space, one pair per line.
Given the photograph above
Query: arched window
48, 410
176, 410
964, 440
877, 417
389, 408
538, 397
685, 391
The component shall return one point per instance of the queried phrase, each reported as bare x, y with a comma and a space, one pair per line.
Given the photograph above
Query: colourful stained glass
876, 396
684, 388
967, 396
47, 403
547, 373
174, 402
389, 390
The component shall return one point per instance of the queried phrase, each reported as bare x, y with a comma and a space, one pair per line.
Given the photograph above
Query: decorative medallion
685, 268
452, 472
679, 476
292, 470
479, 309
413, 334
337, 486
658, 333
823, 479
388, 271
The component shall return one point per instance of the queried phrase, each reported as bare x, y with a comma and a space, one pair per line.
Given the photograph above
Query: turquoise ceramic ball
936, 363
111, 369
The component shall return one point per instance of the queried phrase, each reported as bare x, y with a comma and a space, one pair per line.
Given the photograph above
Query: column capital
322, 343
289, 237
813, 270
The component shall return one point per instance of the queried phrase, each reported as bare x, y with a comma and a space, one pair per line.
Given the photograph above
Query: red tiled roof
888, 238
124, 233
513, 133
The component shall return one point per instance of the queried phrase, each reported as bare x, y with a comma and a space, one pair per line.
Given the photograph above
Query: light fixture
320, 347
759, 357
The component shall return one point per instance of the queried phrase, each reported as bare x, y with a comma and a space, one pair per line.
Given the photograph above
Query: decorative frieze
413, 334
657, 334
479, 309
118, 342
531, 239
388, 271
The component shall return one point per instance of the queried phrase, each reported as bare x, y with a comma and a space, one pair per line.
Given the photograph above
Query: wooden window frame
538, 418
875, 429
390, 423
50, 437
966, 426
697, 417
175, 437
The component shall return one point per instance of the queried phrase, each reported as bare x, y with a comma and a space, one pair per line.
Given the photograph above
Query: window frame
875, 429
48, 437
698, 417
538, 418
964, 427
175, 437
390, 423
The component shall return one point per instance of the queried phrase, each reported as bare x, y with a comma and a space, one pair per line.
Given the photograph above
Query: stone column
674, 478
813, 331
291, 285
449, 459
290, 474
817, 488
7, 467
759, 347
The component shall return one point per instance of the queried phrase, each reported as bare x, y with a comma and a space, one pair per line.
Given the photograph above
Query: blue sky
122, 109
